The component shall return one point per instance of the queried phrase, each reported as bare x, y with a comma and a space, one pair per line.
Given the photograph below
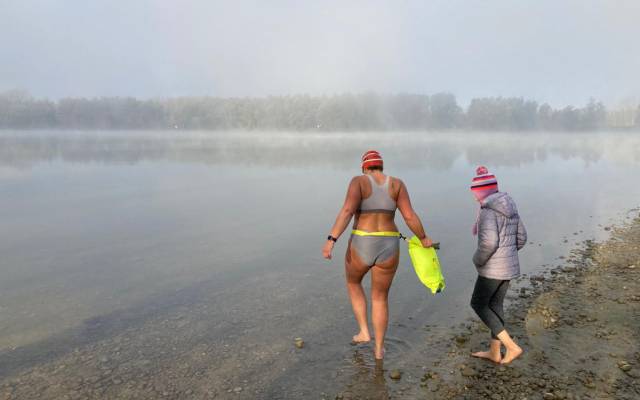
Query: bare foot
511, 355
496, 358
379, 354
361, 338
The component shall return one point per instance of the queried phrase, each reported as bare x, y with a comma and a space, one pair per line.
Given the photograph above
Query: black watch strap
334, 239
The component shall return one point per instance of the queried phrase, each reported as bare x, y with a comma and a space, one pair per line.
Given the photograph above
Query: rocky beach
579, 324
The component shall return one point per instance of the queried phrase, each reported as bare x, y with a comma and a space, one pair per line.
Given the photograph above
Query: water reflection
407, 150
139, 267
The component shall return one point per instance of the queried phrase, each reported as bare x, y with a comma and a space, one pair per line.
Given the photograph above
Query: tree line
345, 112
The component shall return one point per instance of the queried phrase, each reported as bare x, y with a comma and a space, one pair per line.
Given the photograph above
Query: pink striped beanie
484, 183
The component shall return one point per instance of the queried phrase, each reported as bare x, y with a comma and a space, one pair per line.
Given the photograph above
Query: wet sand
578, 323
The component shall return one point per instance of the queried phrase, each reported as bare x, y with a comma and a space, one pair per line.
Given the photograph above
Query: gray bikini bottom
375, 249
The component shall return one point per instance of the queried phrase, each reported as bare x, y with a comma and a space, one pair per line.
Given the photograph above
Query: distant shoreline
303, 113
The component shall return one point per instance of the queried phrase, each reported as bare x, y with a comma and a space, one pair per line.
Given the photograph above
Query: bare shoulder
396, 181
356, 181
395, 185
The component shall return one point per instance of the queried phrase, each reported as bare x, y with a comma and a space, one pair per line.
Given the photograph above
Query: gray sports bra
379, 201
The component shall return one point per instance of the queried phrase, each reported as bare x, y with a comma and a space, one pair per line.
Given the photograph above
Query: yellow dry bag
425, 262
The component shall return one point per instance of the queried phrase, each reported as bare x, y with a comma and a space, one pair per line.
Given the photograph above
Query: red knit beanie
371, 159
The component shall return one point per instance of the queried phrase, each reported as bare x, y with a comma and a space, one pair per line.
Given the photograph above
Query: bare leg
381, 278
380, 316
359, 306
355, 271
493, 354
513, 350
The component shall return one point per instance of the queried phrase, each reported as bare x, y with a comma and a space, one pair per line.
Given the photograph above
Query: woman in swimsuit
372, 198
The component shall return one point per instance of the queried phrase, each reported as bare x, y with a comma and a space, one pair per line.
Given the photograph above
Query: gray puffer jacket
500, 235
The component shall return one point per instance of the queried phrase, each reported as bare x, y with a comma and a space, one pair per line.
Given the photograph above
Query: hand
426, 242
327, 248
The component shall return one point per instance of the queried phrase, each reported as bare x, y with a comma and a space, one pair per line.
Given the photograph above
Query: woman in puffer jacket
501, 235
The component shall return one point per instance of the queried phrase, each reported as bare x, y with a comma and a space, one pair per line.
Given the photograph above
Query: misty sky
549, 50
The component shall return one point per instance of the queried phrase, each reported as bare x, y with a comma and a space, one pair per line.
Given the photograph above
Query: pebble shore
578, 323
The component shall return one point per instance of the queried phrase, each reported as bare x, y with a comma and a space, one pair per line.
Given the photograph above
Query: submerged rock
468, 372
625, 366
461, 339
395, 374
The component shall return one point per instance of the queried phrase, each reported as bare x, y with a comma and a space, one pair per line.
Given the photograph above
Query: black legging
487, 301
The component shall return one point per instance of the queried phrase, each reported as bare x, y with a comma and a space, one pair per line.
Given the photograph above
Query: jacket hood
501, 202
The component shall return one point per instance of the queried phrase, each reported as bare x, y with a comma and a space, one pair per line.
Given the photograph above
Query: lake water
183, 264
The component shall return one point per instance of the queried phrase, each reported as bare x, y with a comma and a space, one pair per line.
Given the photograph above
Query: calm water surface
187, 262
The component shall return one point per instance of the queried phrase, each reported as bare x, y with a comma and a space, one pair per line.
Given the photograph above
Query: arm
488, 237
351, 203
522, 235
410, 217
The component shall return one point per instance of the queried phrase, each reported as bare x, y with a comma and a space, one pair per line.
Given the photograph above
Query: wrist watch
334, 239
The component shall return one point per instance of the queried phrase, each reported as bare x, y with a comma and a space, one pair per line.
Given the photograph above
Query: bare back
376, 221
